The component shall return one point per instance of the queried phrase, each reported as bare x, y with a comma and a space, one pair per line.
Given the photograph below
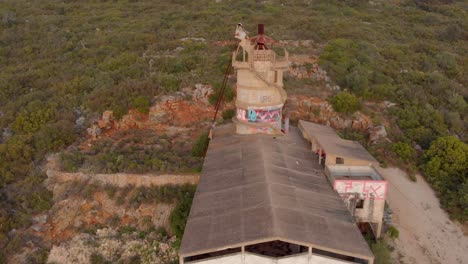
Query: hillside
63, 63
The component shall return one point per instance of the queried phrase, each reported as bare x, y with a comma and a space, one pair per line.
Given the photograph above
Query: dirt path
426, 233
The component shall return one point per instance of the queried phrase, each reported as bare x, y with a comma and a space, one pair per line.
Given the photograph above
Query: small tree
404, 151
228, 114
142, 104
201, 145
345, 102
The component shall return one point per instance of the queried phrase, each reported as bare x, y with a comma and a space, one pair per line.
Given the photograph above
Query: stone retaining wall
123, 179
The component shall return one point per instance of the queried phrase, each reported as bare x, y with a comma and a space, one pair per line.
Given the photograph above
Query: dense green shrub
142, 104
228, 114
392, 232
445, 167
404, 150
381, 252
179, 215
201, 145
345, 102
228, 94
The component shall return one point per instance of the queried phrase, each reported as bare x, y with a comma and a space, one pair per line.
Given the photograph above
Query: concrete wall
123, 179
373, 192
345, 170
250, 258
331, 160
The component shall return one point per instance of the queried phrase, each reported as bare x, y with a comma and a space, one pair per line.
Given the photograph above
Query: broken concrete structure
260, 93
332, 149
364, 192
350, 169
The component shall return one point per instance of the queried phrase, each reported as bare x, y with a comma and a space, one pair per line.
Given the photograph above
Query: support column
320, 156
310, 255
378, 232
243, 254
181, 260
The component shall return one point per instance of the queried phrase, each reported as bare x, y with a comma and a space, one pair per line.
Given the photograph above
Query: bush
228, 114
142, 104
180, 215
381, 252
228, 95
201, 145
445, 167
345, 102
392, 232
403, 150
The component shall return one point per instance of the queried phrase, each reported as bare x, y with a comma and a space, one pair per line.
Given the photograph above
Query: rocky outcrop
176, 110
320, 111
108, 245
377, 133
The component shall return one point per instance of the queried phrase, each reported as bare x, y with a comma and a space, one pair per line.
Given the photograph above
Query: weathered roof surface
258, 187
317, 129
332, 143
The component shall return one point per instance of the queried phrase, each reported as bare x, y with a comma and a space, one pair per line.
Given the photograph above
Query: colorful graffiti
365, 189
264, 130
259, 115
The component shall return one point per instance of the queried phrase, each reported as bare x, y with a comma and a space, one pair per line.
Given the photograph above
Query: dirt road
427, 235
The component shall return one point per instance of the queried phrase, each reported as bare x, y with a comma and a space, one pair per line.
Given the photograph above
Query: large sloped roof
257, 187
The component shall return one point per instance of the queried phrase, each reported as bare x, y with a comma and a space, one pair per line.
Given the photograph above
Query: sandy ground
426, 233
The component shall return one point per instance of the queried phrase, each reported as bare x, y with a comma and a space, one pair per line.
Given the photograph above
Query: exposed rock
193, 39
40, 218
202, 92
80, 121
377, 133
388, 104
106, 121
320, 111
94, 131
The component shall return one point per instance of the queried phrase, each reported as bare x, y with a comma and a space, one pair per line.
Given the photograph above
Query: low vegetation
345, 102
133, 151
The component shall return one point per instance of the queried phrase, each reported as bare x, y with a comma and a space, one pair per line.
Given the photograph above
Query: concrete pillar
181, 260
243, 254
286, 125
320, 156
378, 232
310, 255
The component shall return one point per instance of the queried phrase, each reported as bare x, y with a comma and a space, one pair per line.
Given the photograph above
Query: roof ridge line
268, 188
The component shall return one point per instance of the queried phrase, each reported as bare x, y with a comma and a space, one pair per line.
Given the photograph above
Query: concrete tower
260, 93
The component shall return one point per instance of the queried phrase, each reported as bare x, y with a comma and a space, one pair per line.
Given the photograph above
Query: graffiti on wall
365, 189
265, 99
259, 115
264, 130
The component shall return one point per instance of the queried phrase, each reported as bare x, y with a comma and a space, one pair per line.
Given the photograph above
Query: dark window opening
337, 256
276, 249
214, 254
367, 230
339, 160
360, 203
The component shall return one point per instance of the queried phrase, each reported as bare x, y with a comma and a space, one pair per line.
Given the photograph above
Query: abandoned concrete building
351, 171
273, 194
